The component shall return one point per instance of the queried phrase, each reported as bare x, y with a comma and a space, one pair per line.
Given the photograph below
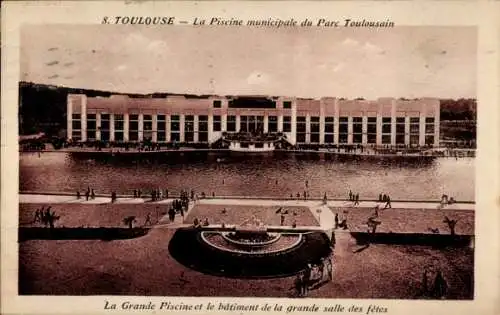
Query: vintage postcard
223, 157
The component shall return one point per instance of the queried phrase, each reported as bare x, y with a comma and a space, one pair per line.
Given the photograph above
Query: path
312, 204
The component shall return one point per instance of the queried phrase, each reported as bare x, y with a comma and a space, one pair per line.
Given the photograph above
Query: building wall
328, 120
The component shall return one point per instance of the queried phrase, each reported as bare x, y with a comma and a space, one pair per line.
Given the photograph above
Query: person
299, 280
135, 193
336, 220
380, 197
78, 195
148, 219
113, 197
171, 214
350, 195
440, 286
388, 202
87, 195
325, 199
282, 219
356, 199
307, 278
38, 217
425, 281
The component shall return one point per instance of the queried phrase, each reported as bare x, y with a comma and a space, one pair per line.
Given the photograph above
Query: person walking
356, 199
336, 220
388, 202
148, 219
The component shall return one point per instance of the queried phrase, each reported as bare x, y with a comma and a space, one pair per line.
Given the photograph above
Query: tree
49, 218
451, 224
129, 221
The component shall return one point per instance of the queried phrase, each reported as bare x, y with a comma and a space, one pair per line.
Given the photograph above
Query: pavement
322, 215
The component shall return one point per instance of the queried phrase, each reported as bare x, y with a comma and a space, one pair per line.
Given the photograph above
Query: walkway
312, 204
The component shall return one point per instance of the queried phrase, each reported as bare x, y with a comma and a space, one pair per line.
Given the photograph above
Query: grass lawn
237, 214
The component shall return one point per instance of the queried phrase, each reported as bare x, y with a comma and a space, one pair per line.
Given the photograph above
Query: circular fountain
251, 237
249, 250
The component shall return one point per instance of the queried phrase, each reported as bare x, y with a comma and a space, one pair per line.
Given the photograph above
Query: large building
187, 119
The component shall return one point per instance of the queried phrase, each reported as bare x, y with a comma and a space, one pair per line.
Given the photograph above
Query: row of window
218, 104
301, 137
255, 123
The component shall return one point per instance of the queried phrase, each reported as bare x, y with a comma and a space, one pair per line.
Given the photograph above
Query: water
264, 176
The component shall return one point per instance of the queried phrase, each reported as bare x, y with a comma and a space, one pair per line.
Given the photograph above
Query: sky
304, 62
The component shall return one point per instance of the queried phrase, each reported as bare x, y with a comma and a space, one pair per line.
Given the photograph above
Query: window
342, 138
343, 129
301, 129
414, 131
76, 125
371, 138
287, 104
217, 123
76, 135
272, 124
429, 139
175, 127
231, 123
301, 137
91, 127
357, 129
203, 128
371, 129
133, 124
400, 130
314, 130
244, 123
329, 129
161, 126
189, 128
429, 128
329, 138
119, 136
287, 124
217, 104
357, 138
386, 130
119, 127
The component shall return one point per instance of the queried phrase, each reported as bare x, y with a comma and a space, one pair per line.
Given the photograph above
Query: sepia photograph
247, 161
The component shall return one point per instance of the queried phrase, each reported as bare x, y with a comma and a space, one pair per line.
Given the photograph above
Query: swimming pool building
203, 119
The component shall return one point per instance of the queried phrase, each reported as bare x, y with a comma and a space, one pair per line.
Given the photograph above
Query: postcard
250, 157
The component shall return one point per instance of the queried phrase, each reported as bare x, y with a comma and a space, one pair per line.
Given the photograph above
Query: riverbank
393, 153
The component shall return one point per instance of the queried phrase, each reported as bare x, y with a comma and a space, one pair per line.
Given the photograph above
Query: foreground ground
144, 266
